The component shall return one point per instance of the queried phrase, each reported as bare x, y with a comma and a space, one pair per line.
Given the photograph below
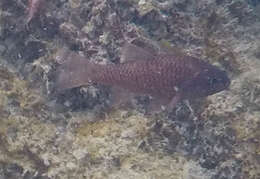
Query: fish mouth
226, 83
225, 79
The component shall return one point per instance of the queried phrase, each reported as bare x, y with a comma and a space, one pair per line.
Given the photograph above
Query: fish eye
213, 81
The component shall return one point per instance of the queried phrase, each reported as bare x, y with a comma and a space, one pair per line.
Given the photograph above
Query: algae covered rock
72, 134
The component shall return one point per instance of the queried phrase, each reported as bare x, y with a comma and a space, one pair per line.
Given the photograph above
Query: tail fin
74, 70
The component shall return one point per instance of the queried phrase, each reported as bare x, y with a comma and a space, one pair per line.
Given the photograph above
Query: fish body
166, 76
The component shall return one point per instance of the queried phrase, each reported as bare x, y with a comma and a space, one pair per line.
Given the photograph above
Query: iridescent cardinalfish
165, 76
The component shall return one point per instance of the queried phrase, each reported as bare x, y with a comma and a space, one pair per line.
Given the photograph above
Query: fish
166, 76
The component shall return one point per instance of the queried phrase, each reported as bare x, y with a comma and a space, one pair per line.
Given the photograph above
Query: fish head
209, 80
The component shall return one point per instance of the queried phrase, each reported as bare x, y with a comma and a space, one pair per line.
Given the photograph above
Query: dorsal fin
131, 52
167, 48
141, 50
146, 44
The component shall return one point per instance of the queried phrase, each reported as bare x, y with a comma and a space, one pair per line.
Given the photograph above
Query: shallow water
77, 134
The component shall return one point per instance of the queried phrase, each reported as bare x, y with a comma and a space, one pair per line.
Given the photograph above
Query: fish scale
151, 77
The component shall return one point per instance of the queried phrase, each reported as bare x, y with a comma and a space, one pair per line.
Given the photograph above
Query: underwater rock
48, 136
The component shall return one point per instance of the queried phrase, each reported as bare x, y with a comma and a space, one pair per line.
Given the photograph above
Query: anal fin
121, 98
163, 104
